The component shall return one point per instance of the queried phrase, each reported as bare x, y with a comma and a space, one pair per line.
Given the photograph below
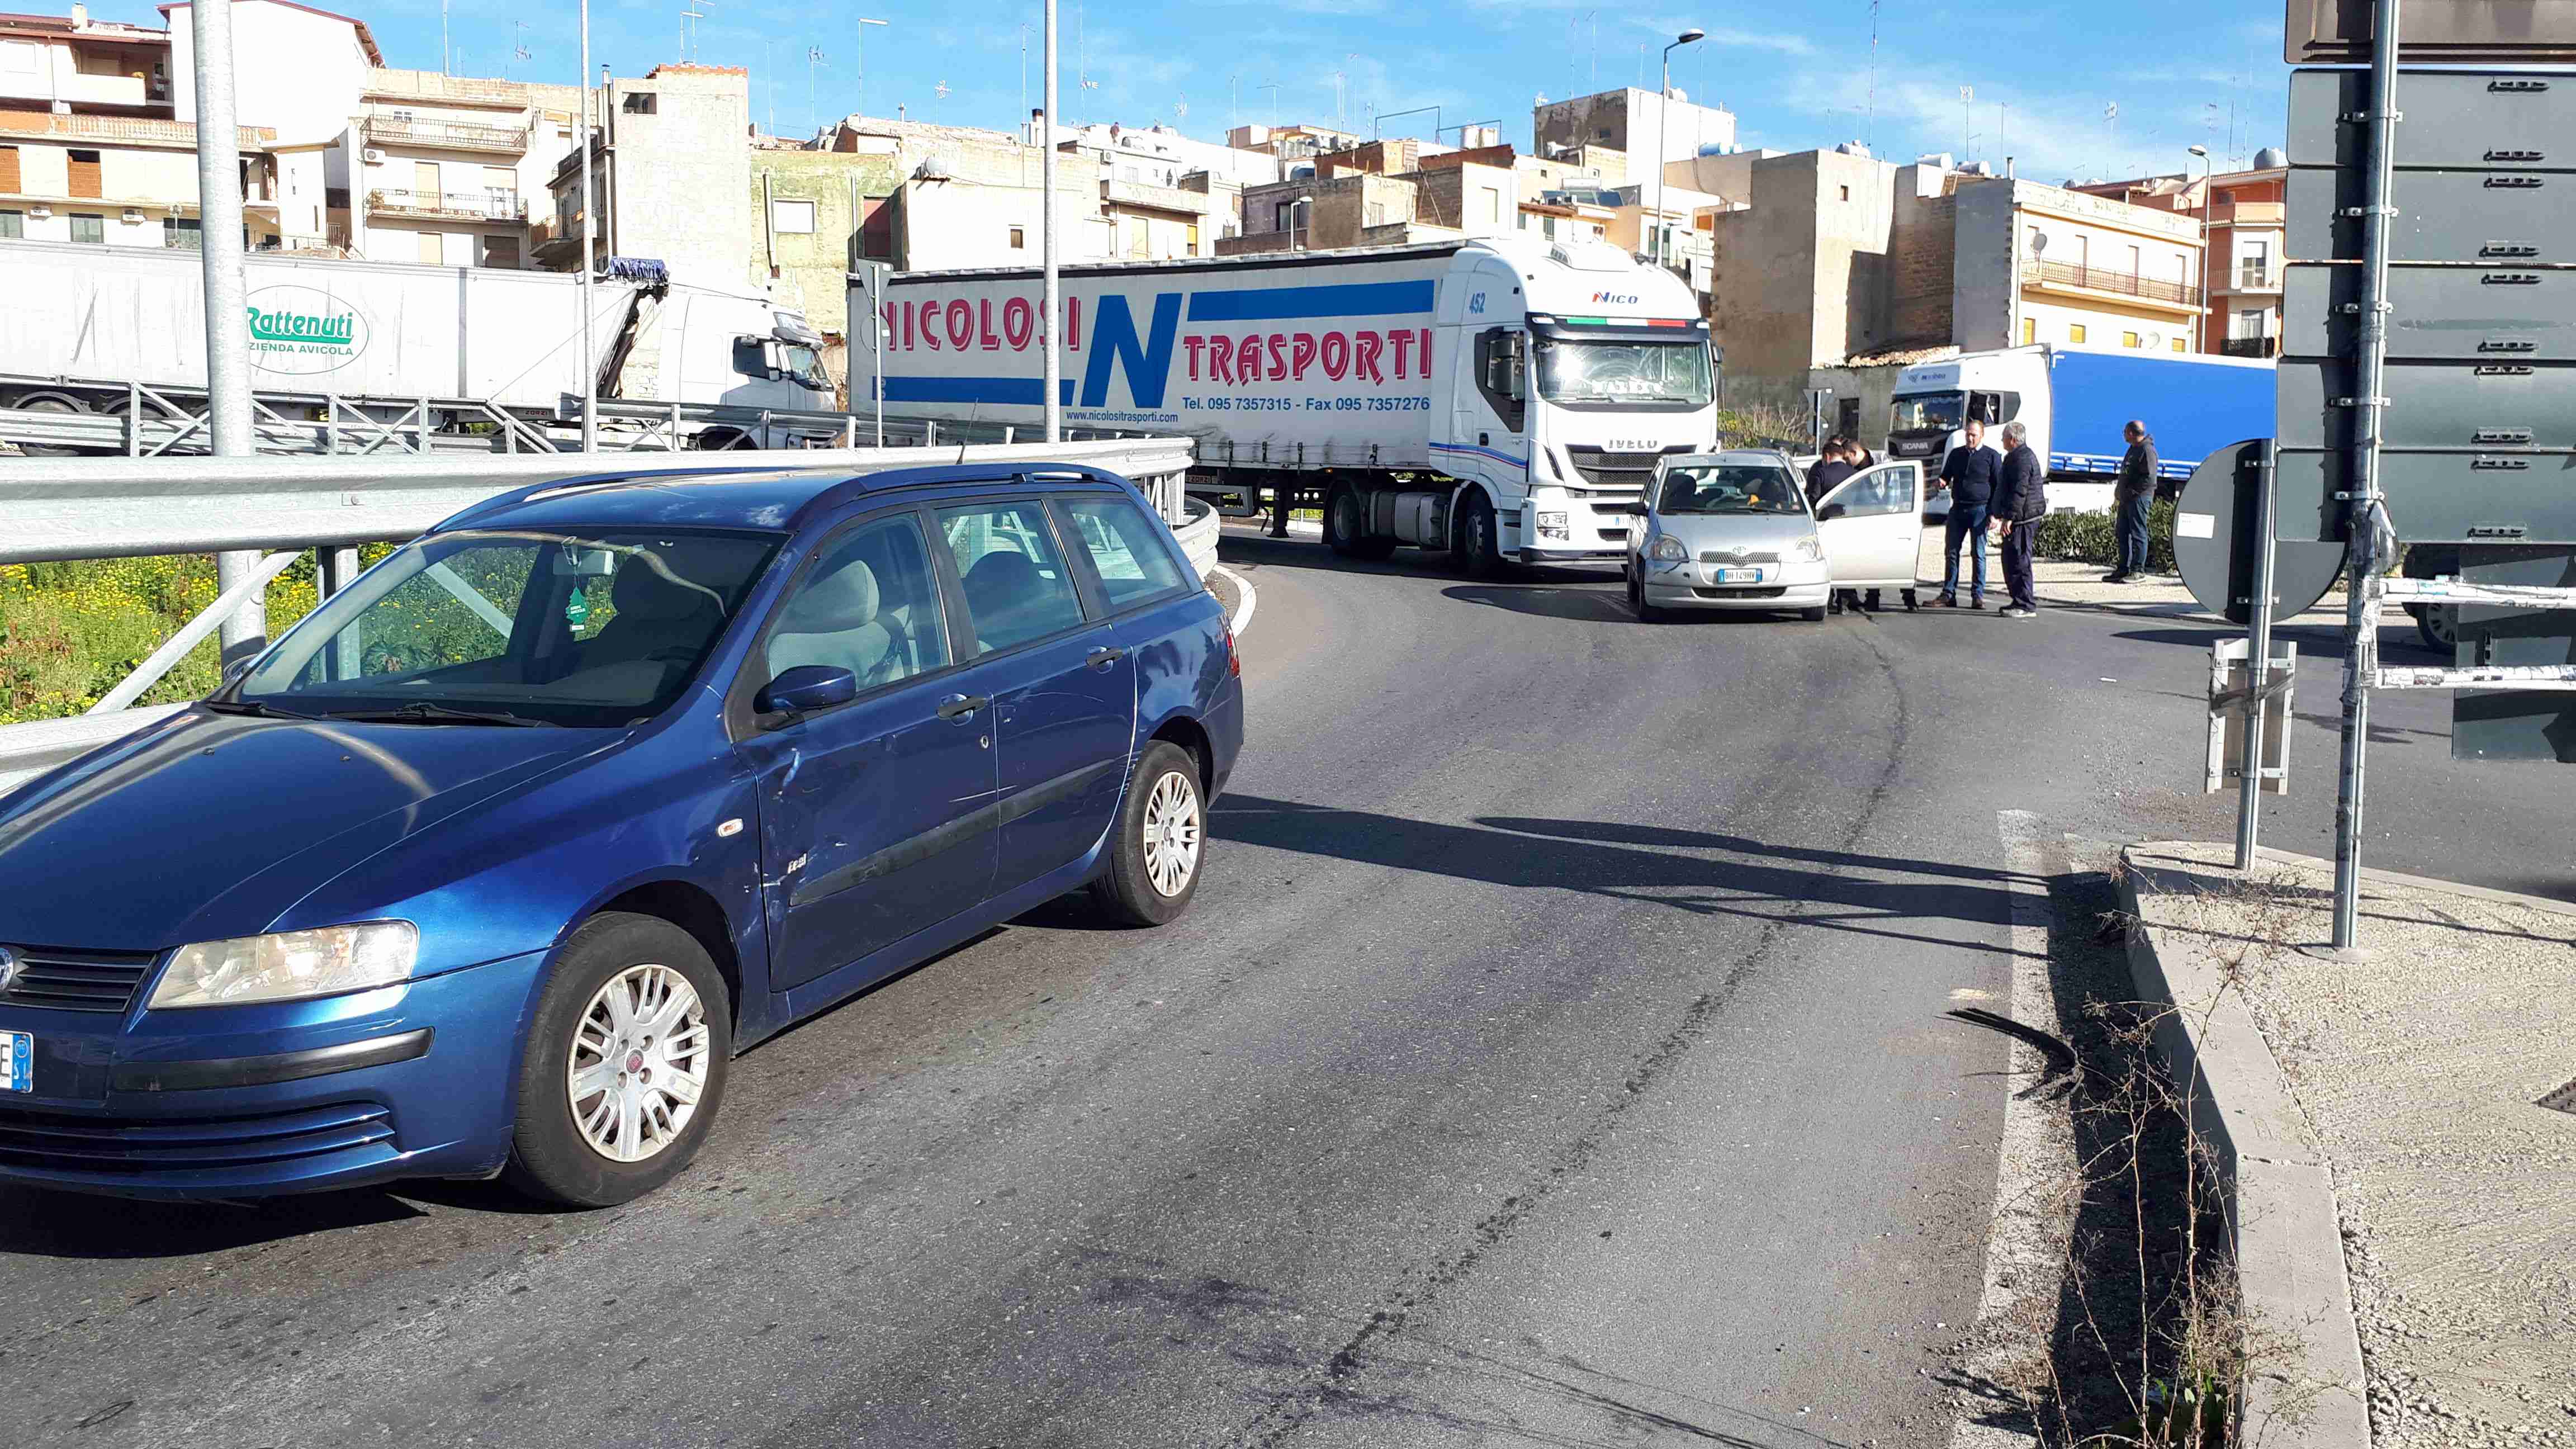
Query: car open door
1872, 525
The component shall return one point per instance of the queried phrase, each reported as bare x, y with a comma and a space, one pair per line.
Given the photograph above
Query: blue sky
1796, 74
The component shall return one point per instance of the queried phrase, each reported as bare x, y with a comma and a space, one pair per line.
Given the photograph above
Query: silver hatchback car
1733, 531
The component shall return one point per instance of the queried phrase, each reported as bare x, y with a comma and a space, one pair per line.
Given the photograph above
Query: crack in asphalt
1291, 1411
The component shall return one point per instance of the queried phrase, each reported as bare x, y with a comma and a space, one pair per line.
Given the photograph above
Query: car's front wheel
1161, 842
625, 1064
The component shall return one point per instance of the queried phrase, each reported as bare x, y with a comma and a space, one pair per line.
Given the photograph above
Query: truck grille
1617, 470
66, 980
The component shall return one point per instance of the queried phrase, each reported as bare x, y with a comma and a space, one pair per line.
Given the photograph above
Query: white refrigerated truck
1490, 397
80, 321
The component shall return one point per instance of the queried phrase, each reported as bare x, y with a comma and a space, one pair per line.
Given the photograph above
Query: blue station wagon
492, 864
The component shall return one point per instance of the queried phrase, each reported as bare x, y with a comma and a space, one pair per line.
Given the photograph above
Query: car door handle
959, 706
1103, 658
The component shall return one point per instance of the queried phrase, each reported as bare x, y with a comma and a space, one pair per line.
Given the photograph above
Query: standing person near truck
1970, 473
1832, 467
2021, 501
2131, 497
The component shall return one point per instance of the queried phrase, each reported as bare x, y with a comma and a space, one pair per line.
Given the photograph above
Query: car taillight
1233, 661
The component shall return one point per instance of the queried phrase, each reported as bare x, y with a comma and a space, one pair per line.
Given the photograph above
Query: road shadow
1546, 601
1786, 885
43, 1223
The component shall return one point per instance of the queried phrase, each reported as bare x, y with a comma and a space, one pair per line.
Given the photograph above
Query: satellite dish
2039, 243
2154, 340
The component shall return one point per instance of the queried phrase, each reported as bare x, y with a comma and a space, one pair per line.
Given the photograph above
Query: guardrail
116, 507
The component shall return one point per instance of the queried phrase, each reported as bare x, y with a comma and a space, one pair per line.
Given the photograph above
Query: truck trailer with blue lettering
2075, 402
1490, 397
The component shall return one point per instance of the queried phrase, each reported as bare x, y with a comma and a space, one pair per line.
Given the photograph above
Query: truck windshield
591, 629
1624, 374
1730, 488
1930, 412
806, 366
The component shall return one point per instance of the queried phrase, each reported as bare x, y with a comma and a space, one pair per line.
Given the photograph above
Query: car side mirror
1632, 508
807, 688
1831, 511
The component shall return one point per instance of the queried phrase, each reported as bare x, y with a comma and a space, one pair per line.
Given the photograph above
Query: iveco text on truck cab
1487, 396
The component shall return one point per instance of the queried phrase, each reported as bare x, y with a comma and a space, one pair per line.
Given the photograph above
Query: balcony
2101, 282
2248, 213
449, 205
2250, 347
445, 135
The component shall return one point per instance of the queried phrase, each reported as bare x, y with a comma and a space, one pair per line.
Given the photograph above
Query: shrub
2092, 538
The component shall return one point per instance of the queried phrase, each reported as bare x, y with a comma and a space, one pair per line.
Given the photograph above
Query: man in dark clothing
2131, 497
1970, 474
1829, 472
2021, 501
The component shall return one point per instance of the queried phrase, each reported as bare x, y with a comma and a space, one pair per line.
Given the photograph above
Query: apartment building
2038, 263
1648, 126
670, 177
2244, 215
441, 168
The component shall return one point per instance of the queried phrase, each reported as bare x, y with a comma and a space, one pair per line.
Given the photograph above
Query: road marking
1245, 592
2035, 1160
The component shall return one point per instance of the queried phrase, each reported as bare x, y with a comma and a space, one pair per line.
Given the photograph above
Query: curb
2289, 1239
1247, 598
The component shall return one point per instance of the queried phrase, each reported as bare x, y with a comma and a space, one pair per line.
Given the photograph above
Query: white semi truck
84, 320
1489, 397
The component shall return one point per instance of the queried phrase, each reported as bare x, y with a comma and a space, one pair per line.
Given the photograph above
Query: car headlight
289, 965
1667, 549
1810, 549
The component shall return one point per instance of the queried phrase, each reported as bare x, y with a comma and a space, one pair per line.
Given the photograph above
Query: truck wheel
1346, 527
2439, 624
51, 405
1479, 540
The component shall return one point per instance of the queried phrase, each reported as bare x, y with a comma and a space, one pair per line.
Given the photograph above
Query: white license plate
17, 1061
1736, 576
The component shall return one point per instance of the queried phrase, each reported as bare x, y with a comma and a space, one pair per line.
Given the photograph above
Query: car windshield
1730, 488
586, 628
1930, 412
1624, 374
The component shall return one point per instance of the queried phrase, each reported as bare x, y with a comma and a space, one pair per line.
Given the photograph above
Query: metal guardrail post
2361, 603
2258, 668
930, 433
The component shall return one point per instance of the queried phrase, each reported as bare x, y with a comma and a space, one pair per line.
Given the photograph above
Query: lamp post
1663, 124
859, 43
1292, 220
2208, 208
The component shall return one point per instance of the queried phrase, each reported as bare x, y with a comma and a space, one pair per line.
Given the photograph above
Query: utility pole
219, 219
859, 39
1967, 98
1663, 122
1051, 293
589, 200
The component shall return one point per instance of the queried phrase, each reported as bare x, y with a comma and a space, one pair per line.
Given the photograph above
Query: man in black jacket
1831, 469
2132, 497
1969, 473
2021, 501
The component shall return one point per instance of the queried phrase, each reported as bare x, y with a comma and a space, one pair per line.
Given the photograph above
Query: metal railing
450, 135
2102, 279
475, 205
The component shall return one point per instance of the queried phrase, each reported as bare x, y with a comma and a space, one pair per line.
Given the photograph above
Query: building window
501, 252
20, 56
1283, 215
638, 103
186, 234
9, 169
1846, 193
1194, 238
2128, 339
2075, 332
91, 229
1019, 238
794, 218
2177, 345
431, 249
85, 176
2029, 331
13, 224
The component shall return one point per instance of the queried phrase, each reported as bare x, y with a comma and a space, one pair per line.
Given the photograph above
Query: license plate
1737, 576
17, 1061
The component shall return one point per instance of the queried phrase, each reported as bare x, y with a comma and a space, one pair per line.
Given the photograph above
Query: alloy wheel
639, 1063
1171, 833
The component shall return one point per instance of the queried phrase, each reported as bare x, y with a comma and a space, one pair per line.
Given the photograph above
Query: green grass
69, 632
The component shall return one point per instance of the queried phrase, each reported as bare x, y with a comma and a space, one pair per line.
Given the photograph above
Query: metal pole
2361, 603
2258, 666
589, 357
1051, 298
1663, 118
219, 219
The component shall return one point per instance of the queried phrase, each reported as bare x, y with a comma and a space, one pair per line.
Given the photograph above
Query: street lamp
2207, 210
1306, 201
1663, 125
859, 39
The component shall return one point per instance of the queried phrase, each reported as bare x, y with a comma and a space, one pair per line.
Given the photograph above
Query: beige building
2244, 214
1640, 124
441, 168
670, 177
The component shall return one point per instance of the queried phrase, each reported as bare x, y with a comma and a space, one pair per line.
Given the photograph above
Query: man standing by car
2131, 498
1831, 469
2021, 501
1969, 473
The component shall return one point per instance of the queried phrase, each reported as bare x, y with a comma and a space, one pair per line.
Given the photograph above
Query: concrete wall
807, 270
1645, 123
295, 69
944, 226
683, 172
1922, 258
1473, 199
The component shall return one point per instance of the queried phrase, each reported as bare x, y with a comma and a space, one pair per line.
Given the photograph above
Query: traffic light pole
2370, 404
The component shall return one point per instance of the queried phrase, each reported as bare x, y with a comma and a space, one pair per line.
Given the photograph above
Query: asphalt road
1555, 1055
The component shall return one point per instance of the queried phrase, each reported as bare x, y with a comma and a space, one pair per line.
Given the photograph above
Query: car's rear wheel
2439, 624
1154, 863
625, 1064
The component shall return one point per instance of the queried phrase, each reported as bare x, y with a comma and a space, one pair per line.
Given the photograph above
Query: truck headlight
289, 965
1810, 549
1667, 549
1552, 525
